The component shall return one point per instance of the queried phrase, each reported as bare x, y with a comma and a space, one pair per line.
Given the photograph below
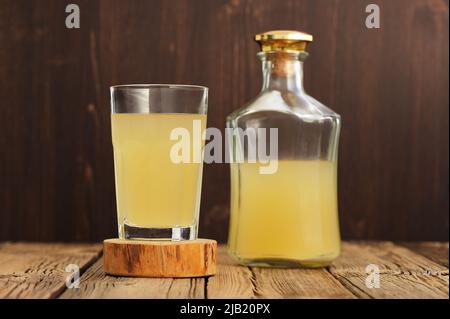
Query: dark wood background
390, 86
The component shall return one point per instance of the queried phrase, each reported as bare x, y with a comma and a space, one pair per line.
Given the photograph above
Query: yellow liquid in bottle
286, 218
151, 190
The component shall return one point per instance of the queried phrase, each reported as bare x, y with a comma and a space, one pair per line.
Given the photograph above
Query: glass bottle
287, 217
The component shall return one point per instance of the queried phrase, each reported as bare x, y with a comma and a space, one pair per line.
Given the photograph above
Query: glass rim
159, 86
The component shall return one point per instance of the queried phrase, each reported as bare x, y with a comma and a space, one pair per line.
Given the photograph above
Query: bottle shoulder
298, 104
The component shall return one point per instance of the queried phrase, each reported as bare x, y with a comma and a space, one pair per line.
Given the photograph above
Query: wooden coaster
139, 258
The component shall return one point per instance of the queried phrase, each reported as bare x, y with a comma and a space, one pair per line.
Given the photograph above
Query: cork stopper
283, 41
281, 47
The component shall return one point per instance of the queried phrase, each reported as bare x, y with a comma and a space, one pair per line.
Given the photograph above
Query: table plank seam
83, 270
257, 294
169, 289
349, 286
205, 288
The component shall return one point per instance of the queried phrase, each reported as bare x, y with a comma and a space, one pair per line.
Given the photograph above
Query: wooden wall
390, 86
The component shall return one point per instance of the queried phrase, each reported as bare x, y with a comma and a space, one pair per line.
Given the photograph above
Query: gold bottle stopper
283, 41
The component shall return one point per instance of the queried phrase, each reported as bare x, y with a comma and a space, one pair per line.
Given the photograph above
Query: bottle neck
282, 71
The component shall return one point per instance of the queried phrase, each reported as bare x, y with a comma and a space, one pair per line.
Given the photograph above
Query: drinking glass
158, 158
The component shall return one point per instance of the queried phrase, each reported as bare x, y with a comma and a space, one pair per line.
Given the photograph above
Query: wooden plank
435, 251
235, 281
38, 270
298, 283
231, 280
403, 273
96, 284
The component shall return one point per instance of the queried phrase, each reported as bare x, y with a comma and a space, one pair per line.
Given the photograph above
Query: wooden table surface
407, 270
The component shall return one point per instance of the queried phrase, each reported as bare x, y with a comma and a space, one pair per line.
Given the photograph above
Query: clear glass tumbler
158, 155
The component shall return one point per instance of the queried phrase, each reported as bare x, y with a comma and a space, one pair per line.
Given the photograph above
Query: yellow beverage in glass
291, 215
153, 191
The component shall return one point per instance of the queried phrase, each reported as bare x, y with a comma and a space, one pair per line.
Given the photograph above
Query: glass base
171, 233
276, 262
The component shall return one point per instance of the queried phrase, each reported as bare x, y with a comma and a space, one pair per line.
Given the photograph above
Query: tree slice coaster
139, 258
